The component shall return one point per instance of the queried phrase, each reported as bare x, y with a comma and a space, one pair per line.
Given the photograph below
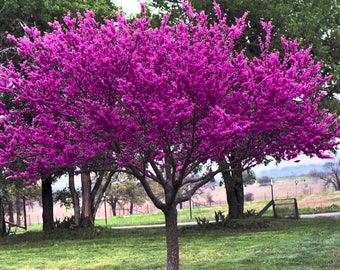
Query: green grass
158, 218
334, 200
288, 244
315, 210
206, 212
184, 215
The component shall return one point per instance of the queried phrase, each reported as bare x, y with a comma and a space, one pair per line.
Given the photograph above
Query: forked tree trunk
47, 203
75, 199
98, 191
172, 245
87, 218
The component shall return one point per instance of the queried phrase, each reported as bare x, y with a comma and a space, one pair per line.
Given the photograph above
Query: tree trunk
87, 219
98, 191
18, 207
114, 207
47, 204
2, 220
233, 183
235, 199
131, 207
239, 191
10, 211
232, 202
75, 198
172, 245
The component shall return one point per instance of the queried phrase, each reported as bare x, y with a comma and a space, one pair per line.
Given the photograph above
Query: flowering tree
160, 103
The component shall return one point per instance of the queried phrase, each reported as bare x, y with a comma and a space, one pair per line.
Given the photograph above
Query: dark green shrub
66, 223
248, 197
250, 213
202, 221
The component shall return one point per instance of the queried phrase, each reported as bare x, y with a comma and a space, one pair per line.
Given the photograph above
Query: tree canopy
312, 22
158, 102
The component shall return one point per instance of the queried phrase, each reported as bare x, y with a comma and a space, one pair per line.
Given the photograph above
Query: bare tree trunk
18, 207
239, 191
114, 207
172, 245
233, 183
75, 198
232, 201
87, 220
2, 220
47, 204
10, 208
131, 207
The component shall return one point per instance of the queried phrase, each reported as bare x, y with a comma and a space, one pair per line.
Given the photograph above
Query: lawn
287, 244
184, 215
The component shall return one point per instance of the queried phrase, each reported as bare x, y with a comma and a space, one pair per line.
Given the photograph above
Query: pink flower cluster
157, 100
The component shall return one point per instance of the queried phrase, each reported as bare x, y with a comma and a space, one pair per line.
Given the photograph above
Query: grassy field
286, 244
184, 215
202, 212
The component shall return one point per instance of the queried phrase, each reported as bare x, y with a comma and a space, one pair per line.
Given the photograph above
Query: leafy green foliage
15, 14
264, 181
248, 197
220, 218
125, 189
66, 223
202, 221
249, 177
64, 197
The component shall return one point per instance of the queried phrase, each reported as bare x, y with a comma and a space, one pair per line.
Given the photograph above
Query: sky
301, 160
129, 6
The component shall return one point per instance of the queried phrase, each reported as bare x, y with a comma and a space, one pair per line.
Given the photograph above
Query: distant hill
290, 171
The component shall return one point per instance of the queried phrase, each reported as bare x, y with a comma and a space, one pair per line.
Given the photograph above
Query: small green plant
66, 223
220, 218
249, 197
202, 221
333, 208
250, 213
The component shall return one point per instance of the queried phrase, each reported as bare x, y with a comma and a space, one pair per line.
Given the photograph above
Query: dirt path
322, 215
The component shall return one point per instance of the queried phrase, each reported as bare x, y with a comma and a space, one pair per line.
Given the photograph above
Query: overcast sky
129, 6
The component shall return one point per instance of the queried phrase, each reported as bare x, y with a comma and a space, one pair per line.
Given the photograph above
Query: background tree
125, 189
64, 197
159, 103
248, 177
15, 14
264, 181
330, 175
13, 194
